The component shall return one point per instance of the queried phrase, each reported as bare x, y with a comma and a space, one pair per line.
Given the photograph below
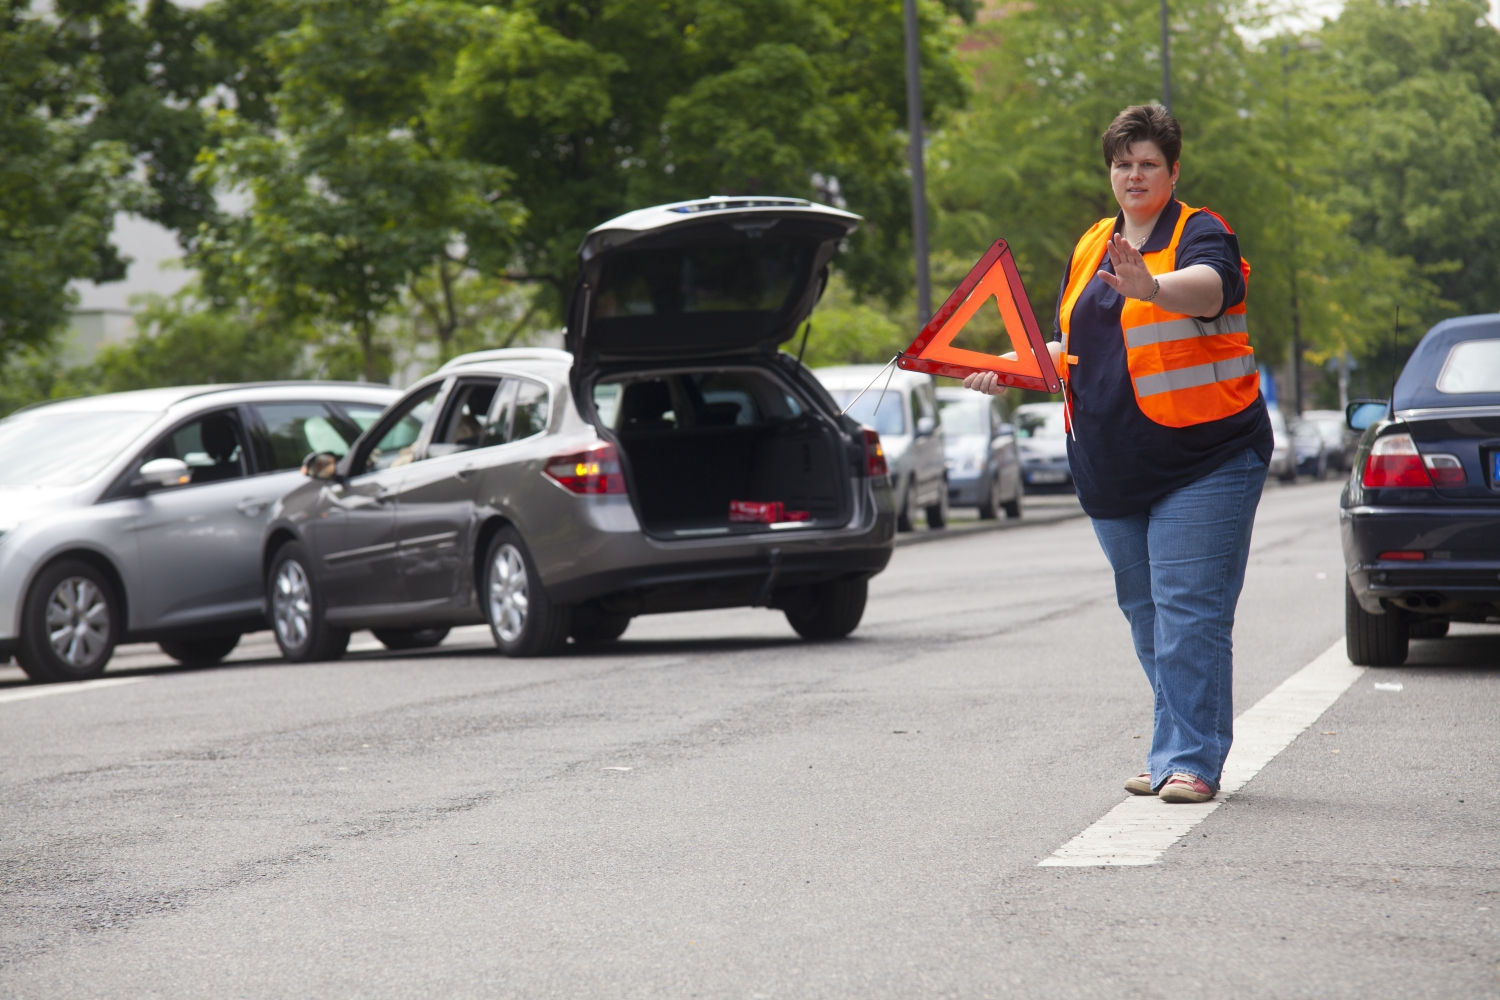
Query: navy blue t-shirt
1122, 460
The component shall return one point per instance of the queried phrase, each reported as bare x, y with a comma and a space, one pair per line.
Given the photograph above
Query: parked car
672, 459
1042, 439
1311, 450
1283, 464
1420, 514
1338, 439
984, 462
137, 516
902, 407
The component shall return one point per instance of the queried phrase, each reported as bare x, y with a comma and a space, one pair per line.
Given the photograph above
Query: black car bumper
695, 586
1449, 563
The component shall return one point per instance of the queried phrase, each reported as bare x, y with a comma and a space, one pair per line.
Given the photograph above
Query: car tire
1013, 507
904, 521
593, 627
522, 620
69, 624
201, 652
298, 617
829, 610
937, 513
1374, 640
397, 639
989, 501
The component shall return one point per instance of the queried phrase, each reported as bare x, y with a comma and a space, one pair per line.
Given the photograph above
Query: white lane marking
1139, 830
43, 690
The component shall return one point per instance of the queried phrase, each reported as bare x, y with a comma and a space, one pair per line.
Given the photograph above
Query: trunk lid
708, 279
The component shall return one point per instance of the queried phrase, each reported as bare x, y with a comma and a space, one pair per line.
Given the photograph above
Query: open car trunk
725, 451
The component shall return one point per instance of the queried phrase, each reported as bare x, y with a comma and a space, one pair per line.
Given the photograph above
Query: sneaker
1184, 787
1140, 784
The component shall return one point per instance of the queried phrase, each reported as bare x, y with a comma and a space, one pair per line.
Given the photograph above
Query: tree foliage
383, 180
60, 186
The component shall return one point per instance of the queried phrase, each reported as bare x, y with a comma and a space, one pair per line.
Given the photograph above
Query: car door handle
251, 507
463, 474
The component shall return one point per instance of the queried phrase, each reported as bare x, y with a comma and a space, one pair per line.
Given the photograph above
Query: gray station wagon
672, 459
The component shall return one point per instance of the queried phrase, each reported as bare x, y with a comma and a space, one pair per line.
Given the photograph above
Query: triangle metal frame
994, 276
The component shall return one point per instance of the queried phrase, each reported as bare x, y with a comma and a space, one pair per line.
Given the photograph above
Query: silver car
984, 461
1041, 429
672, 459
138, 516
902, 407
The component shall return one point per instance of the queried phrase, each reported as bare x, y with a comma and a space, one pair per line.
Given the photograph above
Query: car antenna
1395, 355
806, 329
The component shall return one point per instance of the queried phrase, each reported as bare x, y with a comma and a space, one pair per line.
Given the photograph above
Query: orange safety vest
1184, 370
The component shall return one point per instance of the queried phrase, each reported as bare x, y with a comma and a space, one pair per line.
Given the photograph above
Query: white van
902, 407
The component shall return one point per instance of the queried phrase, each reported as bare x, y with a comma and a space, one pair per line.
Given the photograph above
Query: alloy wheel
291, 604
509, 594
78, 623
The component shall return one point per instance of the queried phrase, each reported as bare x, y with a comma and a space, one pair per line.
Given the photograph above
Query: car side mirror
925, 426
162, 472
320, 465
1363, 412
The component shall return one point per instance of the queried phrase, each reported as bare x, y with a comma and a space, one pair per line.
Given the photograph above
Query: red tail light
596, 470
874, 455
1395, 462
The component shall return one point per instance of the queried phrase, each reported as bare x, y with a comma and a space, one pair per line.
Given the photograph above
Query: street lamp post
1166, 60
918, 174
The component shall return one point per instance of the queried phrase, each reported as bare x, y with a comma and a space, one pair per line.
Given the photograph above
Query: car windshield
877, 409
1040, 423
42, 448
965, 416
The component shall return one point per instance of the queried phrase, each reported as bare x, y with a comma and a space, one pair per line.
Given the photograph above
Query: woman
1169, 438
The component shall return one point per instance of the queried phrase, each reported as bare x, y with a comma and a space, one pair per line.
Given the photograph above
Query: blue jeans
1178, 573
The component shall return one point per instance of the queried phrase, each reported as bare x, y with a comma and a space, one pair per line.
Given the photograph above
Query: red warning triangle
994, 277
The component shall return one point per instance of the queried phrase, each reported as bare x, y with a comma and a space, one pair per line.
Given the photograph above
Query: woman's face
1142, 181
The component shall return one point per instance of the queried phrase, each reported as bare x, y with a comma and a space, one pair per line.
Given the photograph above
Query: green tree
1418, 176
1267, 143
598, 107
180, 340
59, 188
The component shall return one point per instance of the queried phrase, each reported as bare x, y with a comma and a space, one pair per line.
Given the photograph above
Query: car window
965, 416
296, 428
878, 409
646, 404
607, 402
398, 432
467, 420
669, 281
530, 409
45, 448
921, 405
364, 415
1471, 366
1042, 423
212, 445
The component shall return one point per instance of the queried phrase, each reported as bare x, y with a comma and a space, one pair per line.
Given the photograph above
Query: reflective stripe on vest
1191, 378
1184, 371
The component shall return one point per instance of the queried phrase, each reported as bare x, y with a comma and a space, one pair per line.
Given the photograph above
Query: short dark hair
1143, 123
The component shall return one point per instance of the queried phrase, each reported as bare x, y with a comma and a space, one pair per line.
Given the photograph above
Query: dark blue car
1420, 515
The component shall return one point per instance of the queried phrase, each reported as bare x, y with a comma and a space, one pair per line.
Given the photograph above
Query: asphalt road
713, 808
